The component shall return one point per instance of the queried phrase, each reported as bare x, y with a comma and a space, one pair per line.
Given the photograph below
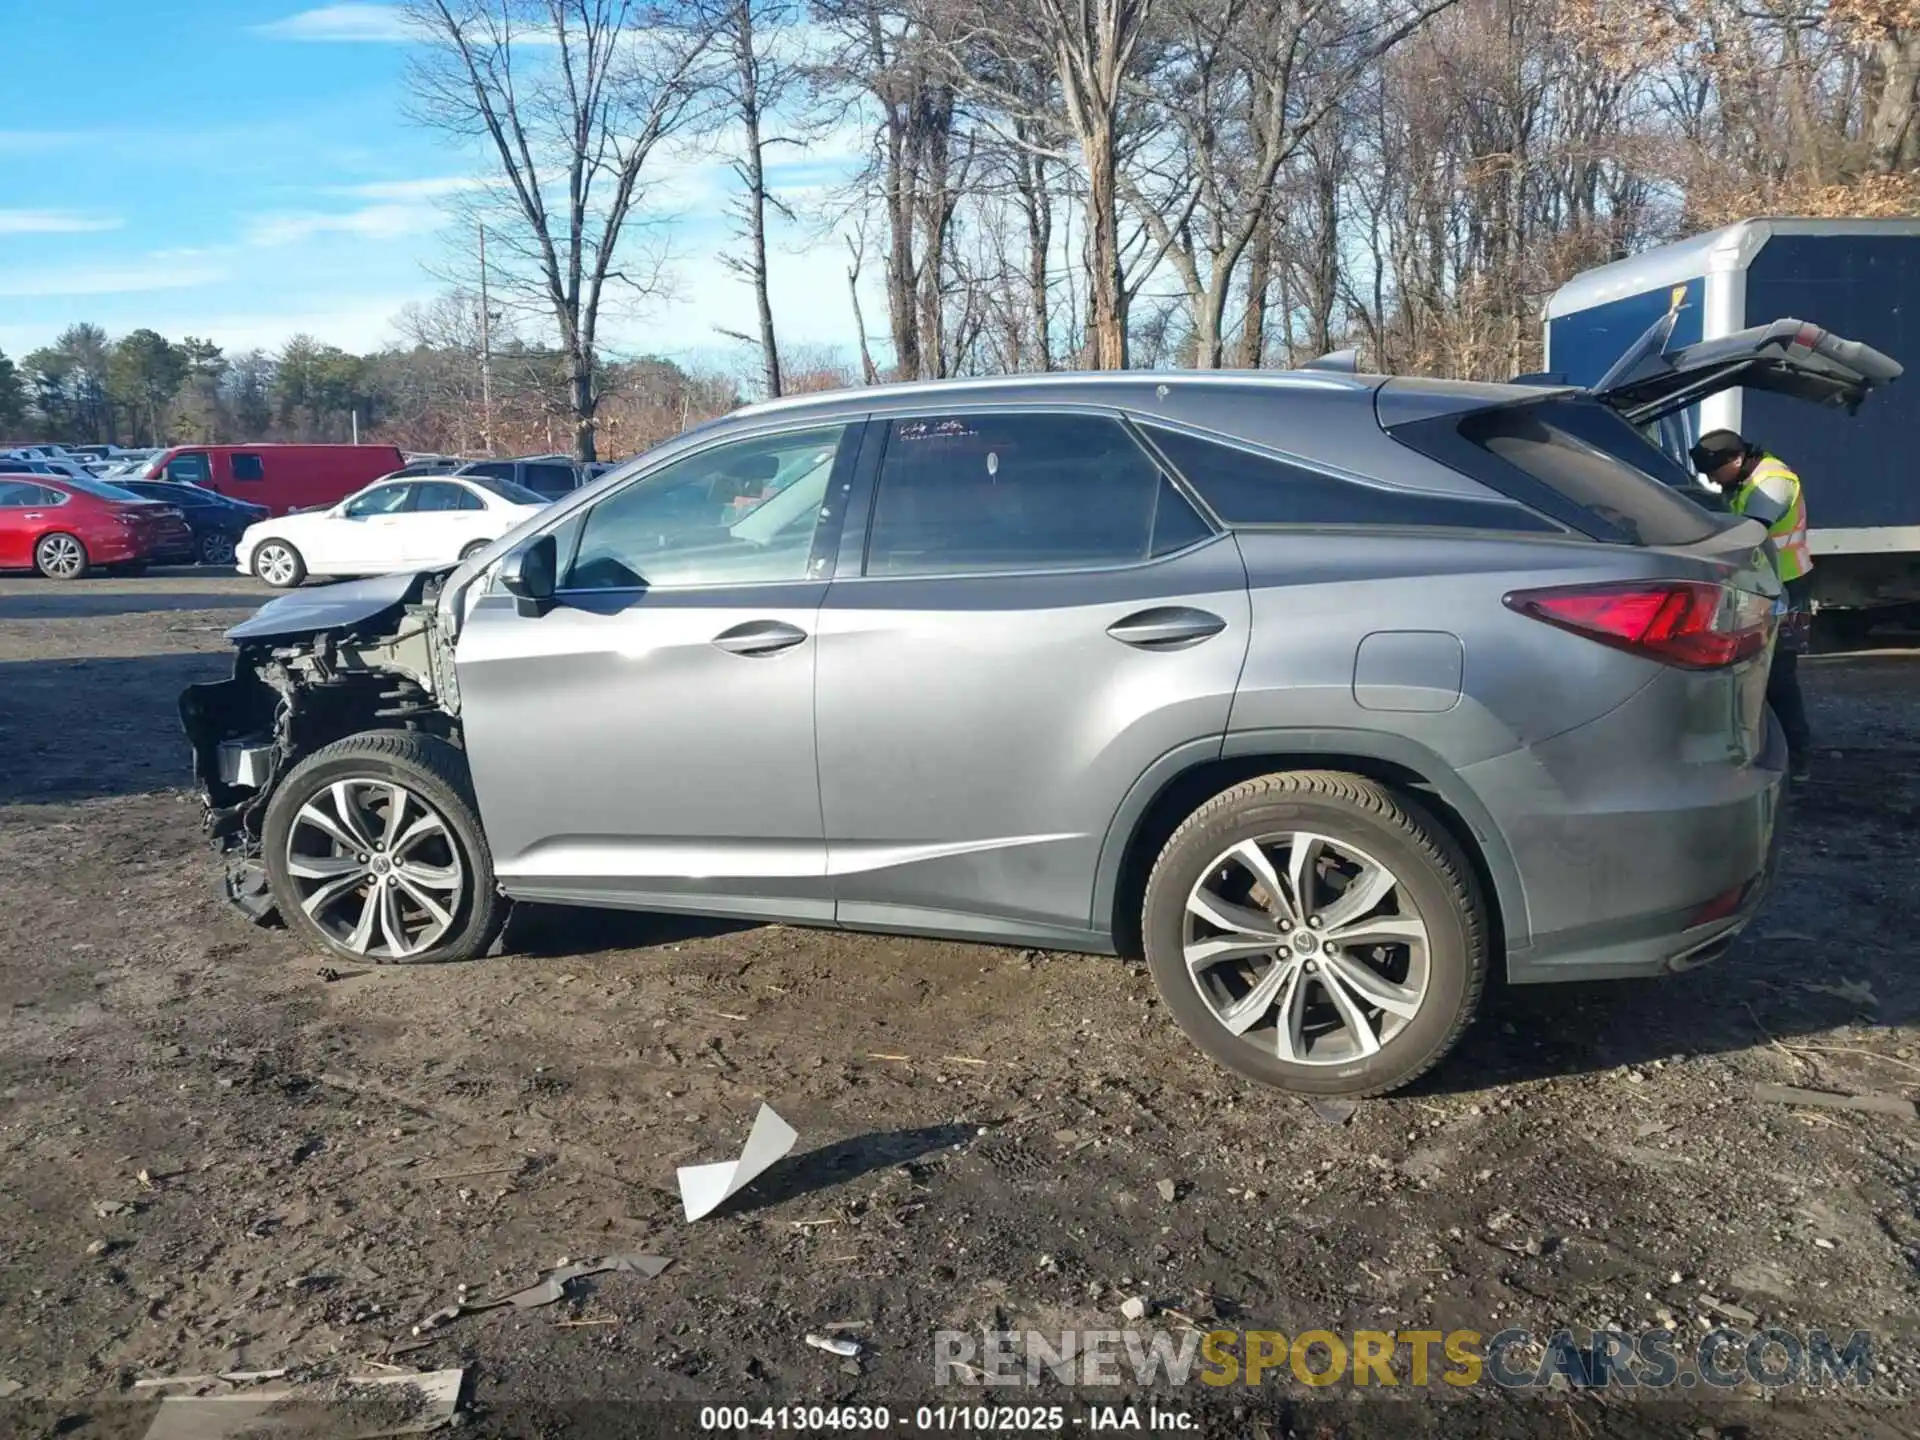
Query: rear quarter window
1547, 443
1244, 488
1576, 460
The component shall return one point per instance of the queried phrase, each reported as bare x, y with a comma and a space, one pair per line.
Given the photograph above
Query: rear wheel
215, 548
1315, 932
279, 564
60, 557
374, 851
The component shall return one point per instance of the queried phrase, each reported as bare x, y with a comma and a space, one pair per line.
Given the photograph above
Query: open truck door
1788, 357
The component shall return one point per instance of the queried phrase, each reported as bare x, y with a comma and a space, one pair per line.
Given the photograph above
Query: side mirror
528, 573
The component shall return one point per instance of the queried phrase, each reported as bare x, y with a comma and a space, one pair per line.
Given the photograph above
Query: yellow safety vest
1788, 529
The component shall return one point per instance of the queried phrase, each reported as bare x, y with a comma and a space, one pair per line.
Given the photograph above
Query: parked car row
335, 509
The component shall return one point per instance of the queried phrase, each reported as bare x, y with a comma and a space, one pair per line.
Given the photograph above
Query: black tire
290, 579
472, 549
52, 552
432, 771
1432, 874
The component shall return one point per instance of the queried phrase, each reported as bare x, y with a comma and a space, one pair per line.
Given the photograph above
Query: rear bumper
1700, 872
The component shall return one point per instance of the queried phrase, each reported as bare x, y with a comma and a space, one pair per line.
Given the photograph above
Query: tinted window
550, 480
191, 468
507, 490
248, 467
734, 514
501, 469
1557, 444
14, 496
1248, 489
101, 490
381, 500
441, 497
969, 493
1176, 524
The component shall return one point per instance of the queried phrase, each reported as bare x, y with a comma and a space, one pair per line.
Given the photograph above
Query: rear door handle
1167, 627
759, 637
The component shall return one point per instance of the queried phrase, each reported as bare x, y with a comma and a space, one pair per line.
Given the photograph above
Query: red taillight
1689, 623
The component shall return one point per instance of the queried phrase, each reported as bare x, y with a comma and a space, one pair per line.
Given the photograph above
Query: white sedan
414, 524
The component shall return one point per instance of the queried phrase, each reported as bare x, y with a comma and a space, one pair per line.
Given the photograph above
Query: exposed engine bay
312, 668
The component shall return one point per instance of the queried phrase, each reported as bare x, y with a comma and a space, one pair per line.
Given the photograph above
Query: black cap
1716, 448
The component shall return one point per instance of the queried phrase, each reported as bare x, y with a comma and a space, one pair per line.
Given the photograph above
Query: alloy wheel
275, 564
216, 549
1307, 946
61, 557
376, 868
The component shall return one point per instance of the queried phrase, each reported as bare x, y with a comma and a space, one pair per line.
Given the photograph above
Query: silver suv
1325, 691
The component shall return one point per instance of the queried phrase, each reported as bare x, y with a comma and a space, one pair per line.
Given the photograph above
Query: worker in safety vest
1761, 487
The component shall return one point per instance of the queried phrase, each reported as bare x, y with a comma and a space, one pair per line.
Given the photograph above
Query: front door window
736, 514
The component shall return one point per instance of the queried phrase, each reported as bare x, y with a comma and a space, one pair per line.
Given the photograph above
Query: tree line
1107, 183
423, 394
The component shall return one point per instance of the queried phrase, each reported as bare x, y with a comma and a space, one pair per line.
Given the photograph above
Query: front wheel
1316, 932
374, 851
279, 564
472, 548
60, 557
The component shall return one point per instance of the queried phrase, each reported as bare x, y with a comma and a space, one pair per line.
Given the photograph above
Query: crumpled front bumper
232, 727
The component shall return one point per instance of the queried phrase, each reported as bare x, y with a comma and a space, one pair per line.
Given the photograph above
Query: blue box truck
1860, 471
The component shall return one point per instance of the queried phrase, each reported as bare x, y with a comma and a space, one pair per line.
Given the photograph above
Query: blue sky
241, 170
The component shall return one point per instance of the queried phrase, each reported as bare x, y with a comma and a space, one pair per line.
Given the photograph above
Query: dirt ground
213, 1156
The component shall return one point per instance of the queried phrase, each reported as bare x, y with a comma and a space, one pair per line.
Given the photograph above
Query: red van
281, 477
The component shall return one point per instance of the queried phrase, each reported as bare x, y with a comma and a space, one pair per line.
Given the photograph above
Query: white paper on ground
704, 1188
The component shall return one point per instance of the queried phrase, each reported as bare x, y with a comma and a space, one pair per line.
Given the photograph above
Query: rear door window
971, 494
437, 495
248, 467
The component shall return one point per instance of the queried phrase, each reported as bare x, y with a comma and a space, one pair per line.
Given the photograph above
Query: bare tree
760, 79
573, 98
1093, 45
889, 62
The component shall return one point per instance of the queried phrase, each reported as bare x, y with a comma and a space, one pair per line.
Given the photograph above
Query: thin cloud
30, 142
372, 222
55, 222
431, 188
151, 273
341, 23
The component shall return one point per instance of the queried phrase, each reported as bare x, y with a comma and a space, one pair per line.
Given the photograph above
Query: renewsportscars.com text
1511, 1359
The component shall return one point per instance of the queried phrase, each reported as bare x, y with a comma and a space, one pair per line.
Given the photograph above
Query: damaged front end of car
312, 668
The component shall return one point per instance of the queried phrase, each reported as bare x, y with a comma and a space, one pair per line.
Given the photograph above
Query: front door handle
759, 637
1166, 627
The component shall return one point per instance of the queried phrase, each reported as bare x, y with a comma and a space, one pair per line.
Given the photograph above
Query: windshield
100, 490
511, 491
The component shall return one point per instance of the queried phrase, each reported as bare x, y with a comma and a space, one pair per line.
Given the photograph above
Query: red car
64, 527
